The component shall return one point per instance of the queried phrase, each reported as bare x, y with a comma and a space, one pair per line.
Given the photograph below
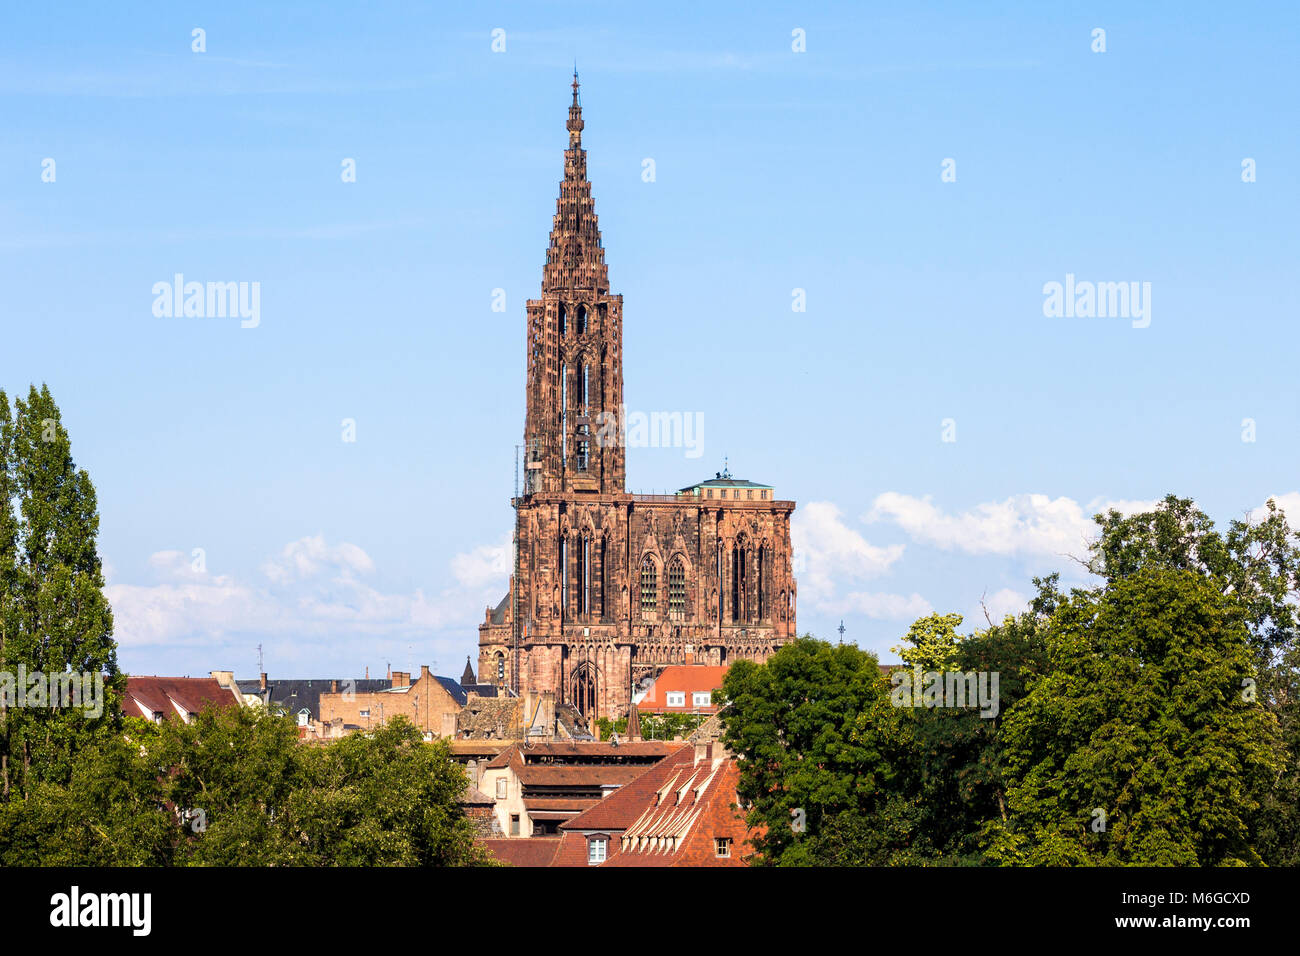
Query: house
300, 699
537, 785
682, 689
430, 702
682, 812
157, 697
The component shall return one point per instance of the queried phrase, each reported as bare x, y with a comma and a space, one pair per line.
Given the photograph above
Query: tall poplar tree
53, 612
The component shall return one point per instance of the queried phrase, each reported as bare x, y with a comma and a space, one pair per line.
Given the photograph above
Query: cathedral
609, 587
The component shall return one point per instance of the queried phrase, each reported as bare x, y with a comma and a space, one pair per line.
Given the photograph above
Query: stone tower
611, 587
575, 347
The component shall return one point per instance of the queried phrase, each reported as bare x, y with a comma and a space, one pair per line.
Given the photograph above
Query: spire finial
575, 123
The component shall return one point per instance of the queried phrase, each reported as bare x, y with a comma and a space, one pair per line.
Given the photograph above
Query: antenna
261, 668
841, 630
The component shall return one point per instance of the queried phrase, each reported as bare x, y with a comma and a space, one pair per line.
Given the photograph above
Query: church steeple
575, 346
575, 258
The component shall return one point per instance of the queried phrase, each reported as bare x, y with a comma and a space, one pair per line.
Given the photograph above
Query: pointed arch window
602, 595
563, 319
677, 587
649, 584
582, 319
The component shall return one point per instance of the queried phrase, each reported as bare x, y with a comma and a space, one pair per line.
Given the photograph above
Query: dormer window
597, 848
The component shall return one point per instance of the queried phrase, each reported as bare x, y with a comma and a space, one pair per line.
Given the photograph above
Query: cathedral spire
575, 123
575, 259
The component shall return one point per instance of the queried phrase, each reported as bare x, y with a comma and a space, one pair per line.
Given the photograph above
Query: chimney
401, 678
224, 678
424, 672
367, 672
262, 684
703, 752
334, 687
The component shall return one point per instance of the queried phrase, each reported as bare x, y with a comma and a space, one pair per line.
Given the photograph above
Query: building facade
609, 587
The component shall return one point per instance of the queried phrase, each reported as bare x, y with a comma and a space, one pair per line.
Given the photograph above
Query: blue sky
775, 171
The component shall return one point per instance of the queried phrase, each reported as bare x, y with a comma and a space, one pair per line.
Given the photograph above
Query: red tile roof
146, 696
581, 775
524, 851
686, 678
575, 804
671, 815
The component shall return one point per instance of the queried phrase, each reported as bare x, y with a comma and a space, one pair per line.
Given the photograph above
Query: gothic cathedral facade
609, 587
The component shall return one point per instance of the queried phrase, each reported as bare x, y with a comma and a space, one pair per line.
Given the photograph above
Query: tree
54, 618
820, 748
1256, 565
1138, 746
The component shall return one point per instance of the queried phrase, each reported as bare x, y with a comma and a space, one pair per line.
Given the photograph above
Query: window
749, 494
582, 319
514, 824
677, 698
649, 584
676, 587
722, 846
736, 493
501, 669
708, 493
701, 698
364, 713
596, 848
584, 447
501, 788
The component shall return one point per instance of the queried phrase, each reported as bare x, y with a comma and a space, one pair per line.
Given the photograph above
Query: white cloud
312, 592
886, 607
309, 557
828, 551
1025, 525
1288, 504
485, 565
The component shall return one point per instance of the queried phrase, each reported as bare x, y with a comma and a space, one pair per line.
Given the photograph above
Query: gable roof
668, 816
454, 689
175, 696
687, 678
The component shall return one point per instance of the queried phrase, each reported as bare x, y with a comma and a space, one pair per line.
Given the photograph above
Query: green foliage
254, 796
822, 744
54, 617
934, 643
1141, 716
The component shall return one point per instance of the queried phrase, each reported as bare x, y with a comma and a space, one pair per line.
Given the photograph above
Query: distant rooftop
723, 479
